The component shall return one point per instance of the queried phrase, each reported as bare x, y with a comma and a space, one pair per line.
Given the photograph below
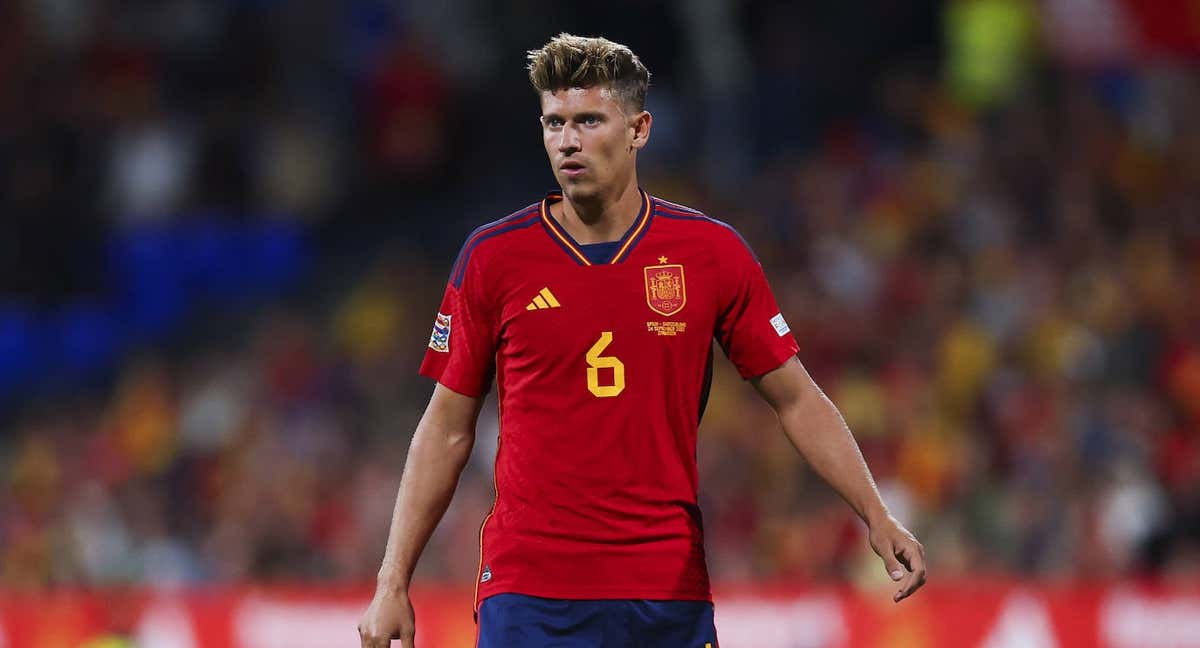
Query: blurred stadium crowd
991, 268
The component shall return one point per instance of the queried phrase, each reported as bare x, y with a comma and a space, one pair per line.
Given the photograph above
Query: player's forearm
816, 428
435, 461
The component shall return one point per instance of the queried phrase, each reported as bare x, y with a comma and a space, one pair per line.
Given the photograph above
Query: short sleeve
462, 347
750, 327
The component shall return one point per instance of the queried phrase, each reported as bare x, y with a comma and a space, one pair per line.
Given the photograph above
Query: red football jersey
603, 370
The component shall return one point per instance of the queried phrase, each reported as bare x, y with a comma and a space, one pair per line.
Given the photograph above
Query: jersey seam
517, 221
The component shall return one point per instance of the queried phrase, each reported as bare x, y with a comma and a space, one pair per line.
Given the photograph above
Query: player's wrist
877, 516
388, 582
390, 588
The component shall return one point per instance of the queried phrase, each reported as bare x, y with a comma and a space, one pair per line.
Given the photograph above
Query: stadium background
225, 226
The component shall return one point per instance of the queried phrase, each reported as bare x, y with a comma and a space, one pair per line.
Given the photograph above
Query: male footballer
594, 310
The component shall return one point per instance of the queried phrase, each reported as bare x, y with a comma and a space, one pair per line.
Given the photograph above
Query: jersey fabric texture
507, 620
602, 371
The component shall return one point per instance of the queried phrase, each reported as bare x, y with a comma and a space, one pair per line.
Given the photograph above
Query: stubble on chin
579, 192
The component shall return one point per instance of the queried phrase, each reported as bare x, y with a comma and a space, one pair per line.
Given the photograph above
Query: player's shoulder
699, 224
490, 236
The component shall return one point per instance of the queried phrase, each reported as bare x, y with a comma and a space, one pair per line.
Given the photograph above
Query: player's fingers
910, 584
408, 638
894, 569
912, 554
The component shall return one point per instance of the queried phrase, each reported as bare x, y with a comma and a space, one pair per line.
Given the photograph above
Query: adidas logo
544, 299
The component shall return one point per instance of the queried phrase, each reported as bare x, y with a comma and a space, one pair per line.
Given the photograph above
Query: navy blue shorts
519, 621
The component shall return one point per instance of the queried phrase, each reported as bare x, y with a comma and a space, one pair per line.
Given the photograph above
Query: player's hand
903, 556
390, 616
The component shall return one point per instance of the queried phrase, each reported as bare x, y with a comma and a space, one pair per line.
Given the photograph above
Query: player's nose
568, 140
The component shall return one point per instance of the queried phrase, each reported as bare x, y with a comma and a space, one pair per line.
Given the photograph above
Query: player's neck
601, 220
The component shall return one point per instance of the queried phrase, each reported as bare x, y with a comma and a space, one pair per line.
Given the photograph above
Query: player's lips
572, 169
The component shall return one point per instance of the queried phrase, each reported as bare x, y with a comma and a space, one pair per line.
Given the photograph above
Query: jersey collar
572, 248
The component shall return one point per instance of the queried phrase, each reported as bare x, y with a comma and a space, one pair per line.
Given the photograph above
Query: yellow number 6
596, 362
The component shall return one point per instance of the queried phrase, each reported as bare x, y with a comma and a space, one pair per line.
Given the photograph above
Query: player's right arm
439, 450
460, 357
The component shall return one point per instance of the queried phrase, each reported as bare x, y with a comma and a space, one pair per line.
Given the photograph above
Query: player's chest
643, 303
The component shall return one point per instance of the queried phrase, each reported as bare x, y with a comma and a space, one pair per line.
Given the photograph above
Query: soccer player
594, 310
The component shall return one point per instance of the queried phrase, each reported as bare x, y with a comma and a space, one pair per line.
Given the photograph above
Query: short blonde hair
569, 61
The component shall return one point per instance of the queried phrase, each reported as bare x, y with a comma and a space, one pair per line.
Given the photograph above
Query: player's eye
591, 120
552, 122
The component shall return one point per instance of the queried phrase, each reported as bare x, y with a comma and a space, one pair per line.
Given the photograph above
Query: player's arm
816, 428
439, 450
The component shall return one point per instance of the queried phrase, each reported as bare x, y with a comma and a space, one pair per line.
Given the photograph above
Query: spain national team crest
666, 292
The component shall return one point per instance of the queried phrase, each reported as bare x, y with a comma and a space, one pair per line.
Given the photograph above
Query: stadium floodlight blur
992, 272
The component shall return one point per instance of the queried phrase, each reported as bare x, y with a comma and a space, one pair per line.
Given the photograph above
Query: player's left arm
816, 428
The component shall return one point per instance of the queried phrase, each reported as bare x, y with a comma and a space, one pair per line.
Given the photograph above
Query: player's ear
641, 129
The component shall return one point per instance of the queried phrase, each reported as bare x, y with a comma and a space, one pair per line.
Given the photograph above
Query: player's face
592, 143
